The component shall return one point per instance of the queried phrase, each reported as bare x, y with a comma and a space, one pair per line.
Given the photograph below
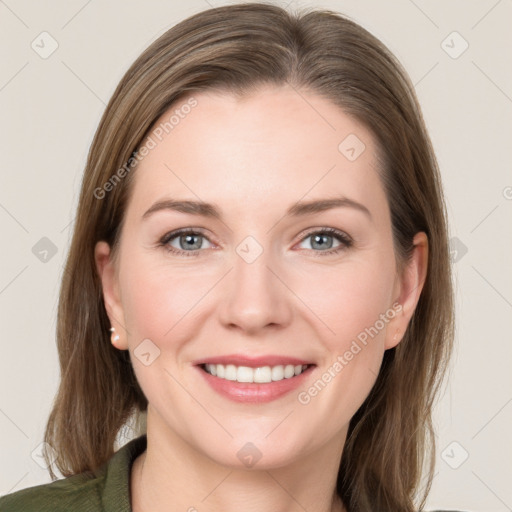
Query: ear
408, 287
110, 286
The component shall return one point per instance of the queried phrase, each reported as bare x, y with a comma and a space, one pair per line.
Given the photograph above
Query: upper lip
253, 362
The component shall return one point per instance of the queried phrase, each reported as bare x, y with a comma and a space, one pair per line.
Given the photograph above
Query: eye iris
189, 241
193, 241
320, 240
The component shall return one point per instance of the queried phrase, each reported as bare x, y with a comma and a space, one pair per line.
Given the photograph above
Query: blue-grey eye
327, 240
188, 242
322, 241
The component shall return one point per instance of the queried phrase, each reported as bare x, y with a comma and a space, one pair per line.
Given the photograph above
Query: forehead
268, 149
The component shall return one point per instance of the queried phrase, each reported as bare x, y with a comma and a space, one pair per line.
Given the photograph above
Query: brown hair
236, 49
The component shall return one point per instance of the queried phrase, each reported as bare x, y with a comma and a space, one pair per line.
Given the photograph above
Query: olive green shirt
108, 490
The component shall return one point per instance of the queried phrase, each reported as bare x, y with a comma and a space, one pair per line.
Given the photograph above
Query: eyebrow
210, 210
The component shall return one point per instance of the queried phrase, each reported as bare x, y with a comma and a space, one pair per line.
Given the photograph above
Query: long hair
238, 48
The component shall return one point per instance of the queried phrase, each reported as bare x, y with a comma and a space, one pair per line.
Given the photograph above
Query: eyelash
346, 241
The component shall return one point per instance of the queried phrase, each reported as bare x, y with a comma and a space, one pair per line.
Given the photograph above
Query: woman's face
272, 278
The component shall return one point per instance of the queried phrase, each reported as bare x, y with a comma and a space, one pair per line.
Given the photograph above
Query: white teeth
244, 374
263, 374
278, 373
230, 372
289, 371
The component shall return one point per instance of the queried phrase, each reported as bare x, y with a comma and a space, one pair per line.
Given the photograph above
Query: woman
259, 270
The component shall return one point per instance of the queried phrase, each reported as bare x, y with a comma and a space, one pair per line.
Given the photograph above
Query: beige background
50, 108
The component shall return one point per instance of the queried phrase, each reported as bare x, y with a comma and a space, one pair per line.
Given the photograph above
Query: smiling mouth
259, 375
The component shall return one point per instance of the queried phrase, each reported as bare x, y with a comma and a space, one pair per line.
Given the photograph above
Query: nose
255, 299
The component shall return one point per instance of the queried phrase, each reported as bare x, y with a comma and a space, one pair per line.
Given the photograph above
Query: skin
254, 158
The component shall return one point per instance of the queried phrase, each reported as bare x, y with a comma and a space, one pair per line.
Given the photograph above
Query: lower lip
248, 392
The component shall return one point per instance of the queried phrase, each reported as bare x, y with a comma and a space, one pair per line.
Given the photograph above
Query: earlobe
411, 284
115, 339
109, 282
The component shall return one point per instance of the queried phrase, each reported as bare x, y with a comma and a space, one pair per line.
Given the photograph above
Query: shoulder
76, 493
105, 490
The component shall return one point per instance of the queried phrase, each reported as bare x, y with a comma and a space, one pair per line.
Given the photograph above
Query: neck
172, 476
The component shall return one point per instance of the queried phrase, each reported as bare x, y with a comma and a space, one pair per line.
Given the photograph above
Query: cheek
160, 302
349, 300
356, 308
359, 310
156, 297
